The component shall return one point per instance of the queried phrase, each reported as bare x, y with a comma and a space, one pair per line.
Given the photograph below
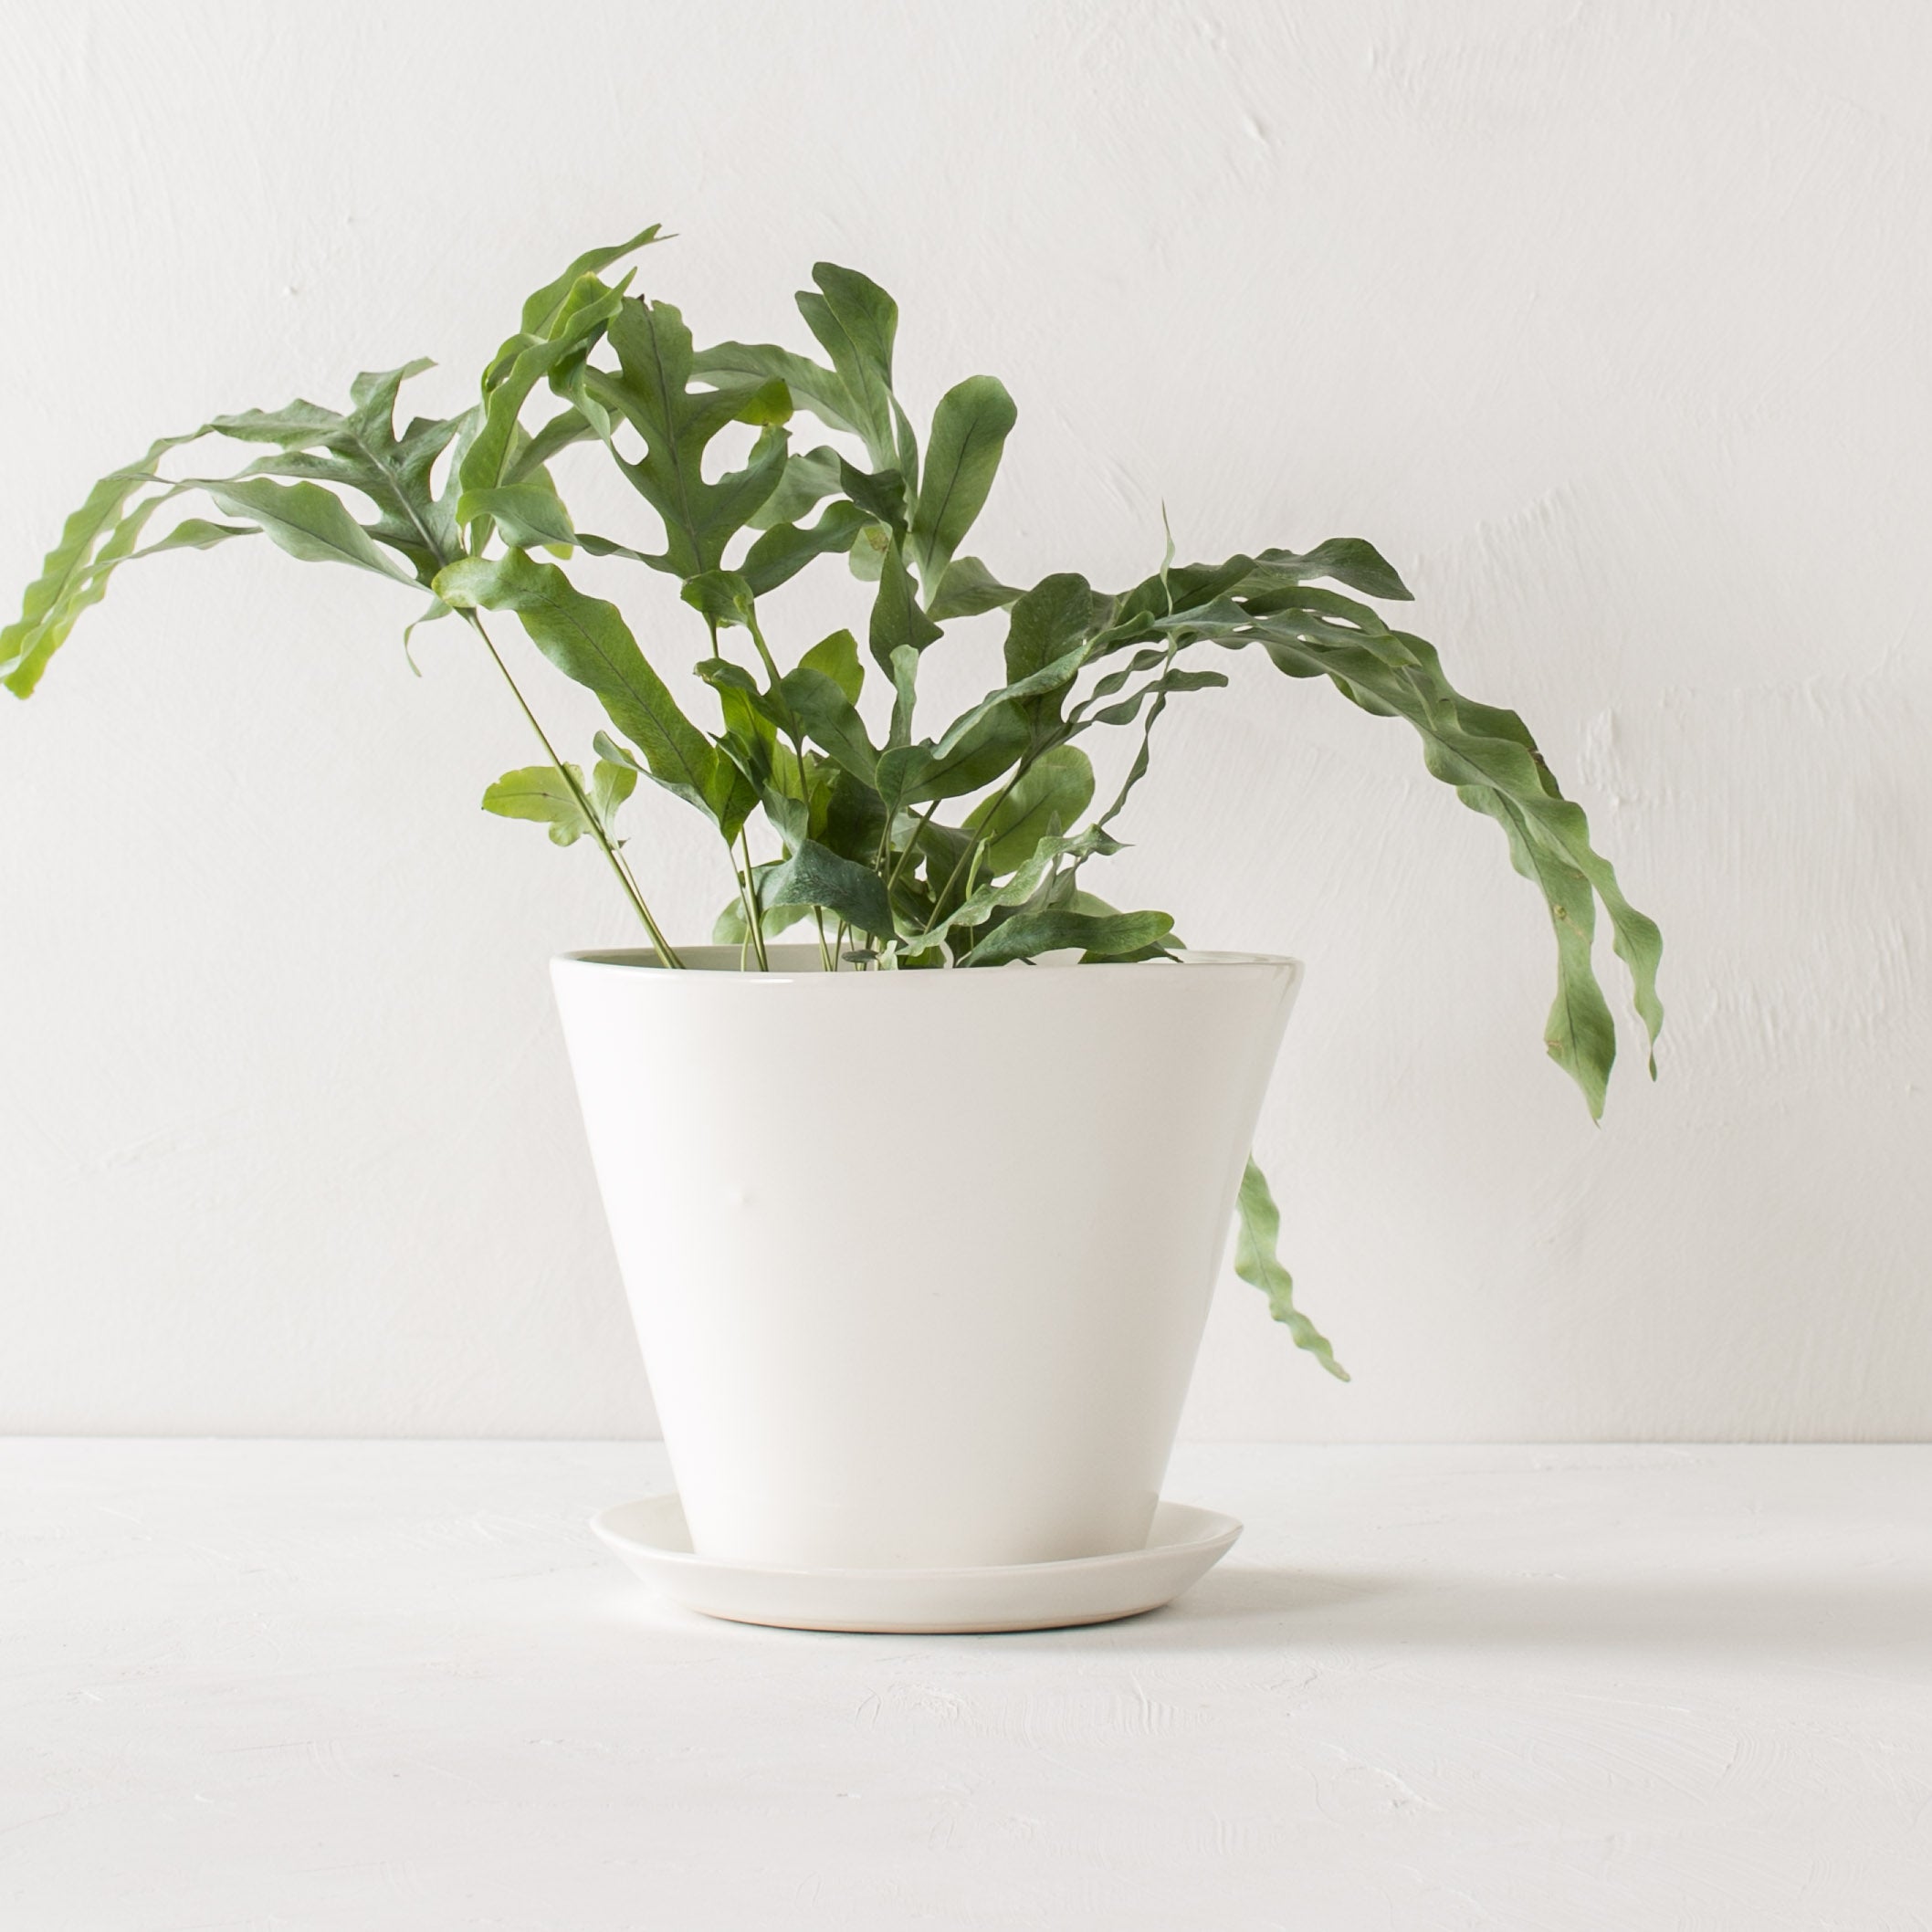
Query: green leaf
545, 310
967, 590
303, 519
583, 315
589, 642
818, 706
1579, 1034
678, 424
30, 644
555, 795
436, 611
530, 515
870, 549
855, 322
1045, 800
1258, 1264
1488, 755
373, 393
196, 533
611, 782
1099, 935
1138, 769
905, 451
750, 743
943, 851
785, 549
614, 751
837, 658
783, 795
530, 452
882, 497
905, 669
1048, 622
721, 673
1010, 700
362, 452
94, 540
731, 928
1137, 615
814, 875
897, 618
1484, 752
806, 703
969, 432
603, 547
1346, 560
994, 738
545, 795
849, 817
411, 520
1067, 898
1033, 877
1158, 688
1141, 662
810, 477
723, 596
813, 387
301, 425
1307, 612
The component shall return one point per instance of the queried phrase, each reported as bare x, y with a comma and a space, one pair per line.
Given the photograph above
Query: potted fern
885, 1331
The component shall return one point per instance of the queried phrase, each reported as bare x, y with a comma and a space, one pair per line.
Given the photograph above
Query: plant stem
912, 845
758, 638
754, 912
791, 731
667, 955
973, 851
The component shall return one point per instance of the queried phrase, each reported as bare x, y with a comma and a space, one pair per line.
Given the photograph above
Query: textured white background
1606, 322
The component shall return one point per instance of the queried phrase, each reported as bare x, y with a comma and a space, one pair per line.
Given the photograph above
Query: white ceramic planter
919, 1260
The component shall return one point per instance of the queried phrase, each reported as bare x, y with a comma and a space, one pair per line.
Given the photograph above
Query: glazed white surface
372, 1688
1606, 323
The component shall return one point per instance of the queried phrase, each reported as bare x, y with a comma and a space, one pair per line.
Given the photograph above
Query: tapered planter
919, 1260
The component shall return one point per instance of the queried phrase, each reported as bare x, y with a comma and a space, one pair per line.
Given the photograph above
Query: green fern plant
902, 850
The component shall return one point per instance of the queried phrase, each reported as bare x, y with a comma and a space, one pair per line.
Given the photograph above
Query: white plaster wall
1609, 323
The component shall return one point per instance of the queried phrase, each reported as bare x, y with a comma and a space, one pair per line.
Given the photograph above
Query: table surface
362, 1685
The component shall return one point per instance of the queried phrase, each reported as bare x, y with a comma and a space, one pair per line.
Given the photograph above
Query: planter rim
799, 966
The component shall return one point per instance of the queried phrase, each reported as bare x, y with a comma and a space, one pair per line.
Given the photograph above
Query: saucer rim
1224, 1535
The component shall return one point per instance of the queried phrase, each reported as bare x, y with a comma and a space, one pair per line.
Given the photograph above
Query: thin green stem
667, 954
758, 638
979, 840
973, 872
791, 731
754, 912
912, 845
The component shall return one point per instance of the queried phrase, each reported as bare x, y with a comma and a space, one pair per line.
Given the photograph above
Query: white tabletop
358, 1686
